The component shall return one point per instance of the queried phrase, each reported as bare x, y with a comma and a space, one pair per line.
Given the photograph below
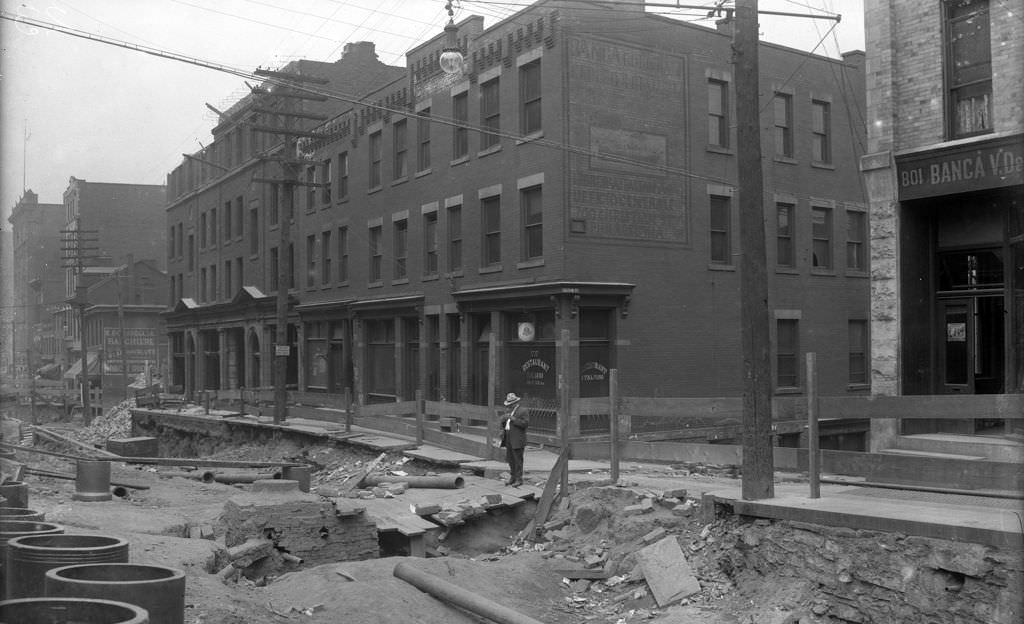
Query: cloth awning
76, 369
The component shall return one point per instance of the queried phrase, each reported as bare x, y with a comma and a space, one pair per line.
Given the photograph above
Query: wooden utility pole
75, 254
758, 466
288, 183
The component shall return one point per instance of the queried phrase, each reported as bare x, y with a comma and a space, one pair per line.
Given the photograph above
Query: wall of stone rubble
868, 576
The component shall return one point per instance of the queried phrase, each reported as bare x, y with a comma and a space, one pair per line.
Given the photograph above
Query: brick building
37, 282
944, 173
564, 206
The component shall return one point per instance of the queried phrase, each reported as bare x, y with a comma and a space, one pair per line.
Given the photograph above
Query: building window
532, 208
275, 203
968, 67
858, 353
342, 254
328, 182
784, 251
170, 243
460, 132
490, 113
227, 221
401, 248
274, 269
376, 253
191, 253
290, 267
490, 228
325, 266
213, 226
254, 231
821, 235
783, 125
202, 231
401, 149
180, 240
856, 238
454, 238
310, 260
430, 243
239, 220
530, 98
310, 188
202, 284
423, 140
821, 132
239, 265
787, 352
213, 282
343, 175
721, 229
229, 287
718, 113
375, 156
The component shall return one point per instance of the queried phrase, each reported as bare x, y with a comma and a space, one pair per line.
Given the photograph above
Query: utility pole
76, 252
288, 182
120, 325
758, 463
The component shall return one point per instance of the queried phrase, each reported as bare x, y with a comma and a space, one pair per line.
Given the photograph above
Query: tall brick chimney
359, 50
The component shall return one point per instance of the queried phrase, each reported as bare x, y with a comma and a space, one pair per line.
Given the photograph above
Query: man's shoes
517, 483
510, 482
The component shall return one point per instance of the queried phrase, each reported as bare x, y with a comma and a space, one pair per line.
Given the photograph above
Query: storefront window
380, 360
530, 358
595, 352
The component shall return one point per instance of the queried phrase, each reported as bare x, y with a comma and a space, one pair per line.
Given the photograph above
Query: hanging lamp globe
451, 55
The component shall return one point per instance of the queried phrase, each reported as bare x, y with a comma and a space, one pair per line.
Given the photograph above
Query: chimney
360, 50
726, 25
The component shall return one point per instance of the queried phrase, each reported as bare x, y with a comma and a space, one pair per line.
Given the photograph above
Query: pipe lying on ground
231, 478
440, 482
71, 477
463, 598
206, 476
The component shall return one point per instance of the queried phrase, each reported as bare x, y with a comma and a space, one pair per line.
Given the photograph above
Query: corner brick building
564, 206
944, 173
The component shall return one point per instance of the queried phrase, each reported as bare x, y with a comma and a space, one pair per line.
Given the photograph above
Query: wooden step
912, 453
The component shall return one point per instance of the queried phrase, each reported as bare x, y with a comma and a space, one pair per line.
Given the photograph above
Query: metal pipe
440, 482
462, 598
232, 478
70, 477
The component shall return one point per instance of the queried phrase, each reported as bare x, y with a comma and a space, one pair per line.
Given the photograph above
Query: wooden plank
388, 409
354, 482
461, 411
548, 497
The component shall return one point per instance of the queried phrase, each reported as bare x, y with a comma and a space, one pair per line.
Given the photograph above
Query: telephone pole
77, 247
758, 463
288, 182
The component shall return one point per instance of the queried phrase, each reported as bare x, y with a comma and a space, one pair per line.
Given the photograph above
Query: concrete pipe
232, 478
16, 493
30, 556
439, 482
462, 598
21, 514
157, 589
49, 610
92, 481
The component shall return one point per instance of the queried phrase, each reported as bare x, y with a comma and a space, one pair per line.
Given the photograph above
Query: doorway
972, 345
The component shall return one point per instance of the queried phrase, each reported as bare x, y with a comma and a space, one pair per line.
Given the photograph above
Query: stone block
654, 536
133, 447
424, 509
667, 572
675, 493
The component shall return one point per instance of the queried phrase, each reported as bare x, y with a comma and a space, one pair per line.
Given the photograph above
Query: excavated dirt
742, 580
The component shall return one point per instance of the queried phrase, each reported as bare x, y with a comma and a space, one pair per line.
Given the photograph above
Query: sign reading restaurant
978, 166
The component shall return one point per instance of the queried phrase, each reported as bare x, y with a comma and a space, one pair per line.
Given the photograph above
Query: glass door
956, 355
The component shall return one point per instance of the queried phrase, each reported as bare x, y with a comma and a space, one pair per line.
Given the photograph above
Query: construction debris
667, 572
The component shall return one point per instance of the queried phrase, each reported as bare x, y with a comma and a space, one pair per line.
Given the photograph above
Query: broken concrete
667, 572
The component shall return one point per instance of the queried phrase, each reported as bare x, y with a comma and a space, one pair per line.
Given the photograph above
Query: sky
75, 107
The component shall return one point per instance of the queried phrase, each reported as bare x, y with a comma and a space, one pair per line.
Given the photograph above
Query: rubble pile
115, 423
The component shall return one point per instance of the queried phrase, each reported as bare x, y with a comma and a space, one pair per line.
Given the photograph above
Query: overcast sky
109, 114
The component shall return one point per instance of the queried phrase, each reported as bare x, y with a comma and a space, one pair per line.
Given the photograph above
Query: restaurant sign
963, 168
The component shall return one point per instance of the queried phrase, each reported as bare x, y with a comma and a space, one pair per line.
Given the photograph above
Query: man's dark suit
513, 438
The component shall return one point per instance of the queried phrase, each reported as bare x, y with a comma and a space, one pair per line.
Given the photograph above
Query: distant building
565, 206
106, 225
944, 171
37, 283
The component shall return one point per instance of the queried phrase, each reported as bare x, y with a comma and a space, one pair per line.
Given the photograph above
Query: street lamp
451, 55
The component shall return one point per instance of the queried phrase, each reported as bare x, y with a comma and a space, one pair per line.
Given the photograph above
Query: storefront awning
49, 371
76, 369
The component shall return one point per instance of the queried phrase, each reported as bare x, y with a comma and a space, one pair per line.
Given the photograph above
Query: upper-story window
490, 227
455, 238
821, 132
401, 233
530, 98
856, 240
821, 237
721, 229
328, 181
490, 113
784, 249
718, 113
423, 140
783, 107
376, 253
375, 157
430, 265
531, 205
460, 132
343, 175
968, 67
401, 164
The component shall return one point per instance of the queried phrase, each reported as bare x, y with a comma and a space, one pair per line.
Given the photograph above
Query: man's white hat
511, 399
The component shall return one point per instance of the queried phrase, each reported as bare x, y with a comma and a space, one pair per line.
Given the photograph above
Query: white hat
511, 398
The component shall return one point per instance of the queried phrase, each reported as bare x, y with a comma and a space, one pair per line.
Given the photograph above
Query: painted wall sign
139, 348
956, 332
994, 164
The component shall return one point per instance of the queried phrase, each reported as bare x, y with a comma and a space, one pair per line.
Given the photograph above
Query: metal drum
16, 493
29, 557
70, 611
22, 514
10, 529
157, 589
92, 481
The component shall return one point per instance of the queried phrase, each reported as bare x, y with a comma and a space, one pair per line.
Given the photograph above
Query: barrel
157, 589
22, 514
92, 480
16, 493
29, 557
70, 611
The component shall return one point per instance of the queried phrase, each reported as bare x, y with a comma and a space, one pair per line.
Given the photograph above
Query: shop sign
136, 350
535, 369
994, 164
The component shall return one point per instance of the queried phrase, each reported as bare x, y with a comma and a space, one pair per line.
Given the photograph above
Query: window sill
433, 277
490, 150
457, 273
858, 387
400, 282
533, 136
786, 271
823, 165
401, 180
857, 273
785, 160
374, 189
722, 267
460, 160
531, 263
341, 200
788, 390
424, 172
343, 284
489, 269
375, 285
823, 272
718, 149
253, 256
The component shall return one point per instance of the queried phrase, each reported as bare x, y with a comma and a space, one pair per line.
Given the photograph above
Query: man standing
513, 437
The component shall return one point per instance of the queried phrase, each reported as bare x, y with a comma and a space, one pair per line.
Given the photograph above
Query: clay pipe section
462, 598
438, 482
